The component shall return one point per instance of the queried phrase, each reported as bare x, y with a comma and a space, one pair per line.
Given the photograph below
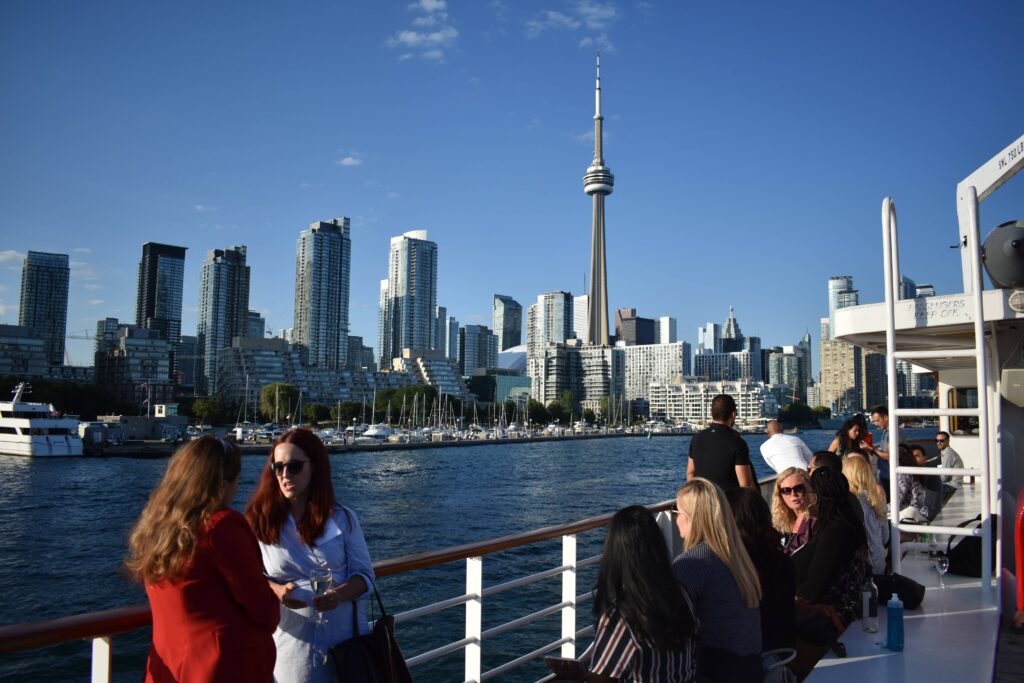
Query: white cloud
354, 159
596, 15
6, 308
95, 302
602, 42
82, 270
204, 208
83, 250
549, 19
392, 195
433, 35
473, 80
11, 256
93, 286
587, 136
588, 16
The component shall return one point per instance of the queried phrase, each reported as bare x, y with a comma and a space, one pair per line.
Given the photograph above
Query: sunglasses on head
293, 467
787, 490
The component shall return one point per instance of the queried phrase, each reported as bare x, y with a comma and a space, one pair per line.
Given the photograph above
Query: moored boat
37, 429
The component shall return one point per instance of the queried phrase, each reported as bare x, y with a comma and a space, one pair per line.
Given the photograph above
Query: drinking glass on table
942, 566
320, 582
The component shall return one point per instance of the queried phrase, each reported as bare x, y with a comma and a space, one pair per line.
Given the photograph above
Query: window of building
963, 398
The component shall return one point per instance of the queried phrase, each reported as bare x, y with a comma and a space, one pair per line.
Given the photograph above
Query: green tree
822, 412
567, 400
589, 417
537, 413
276, 399
796, 414
316, 412
557, 413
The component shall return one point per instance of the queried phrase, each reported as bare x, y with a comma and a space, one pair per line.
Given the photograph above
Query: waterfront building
507, 318
497, 385
790, 365
728, 366
549, 321
580, 313
841, 294
478, 349
135, 366
409, 302
602, 375
106, 333
435, 369
709, 338
842, 387
632, 329
23, 352
689, 400
223, 310
598, 183
43, 304
814, 394
323, 255
161, 280
659, 363
666, 330
360, 356
256, 325
875, 387
440, 341
554, 369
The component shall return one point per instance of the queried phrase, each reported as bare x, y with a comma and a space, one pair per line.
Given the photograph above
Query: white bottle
869, 607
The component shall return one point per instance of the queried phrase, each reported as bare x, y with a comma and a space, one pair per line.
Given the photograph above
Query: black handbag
373, 658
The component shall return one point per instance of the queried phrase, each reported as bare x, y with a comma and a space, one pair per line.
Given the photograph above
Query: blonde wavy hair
711, 522
862, 480
164, 538
782, 516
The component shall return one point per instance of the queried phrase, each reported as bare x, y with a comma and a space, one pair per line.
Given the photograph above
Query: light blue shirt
301, 642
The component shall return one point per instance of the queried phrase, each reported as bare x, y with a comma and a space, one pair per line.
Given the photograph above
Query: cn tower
598, 183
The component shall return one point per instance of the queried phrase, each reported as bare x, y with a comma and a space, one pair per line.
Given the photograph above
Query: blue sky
752, 144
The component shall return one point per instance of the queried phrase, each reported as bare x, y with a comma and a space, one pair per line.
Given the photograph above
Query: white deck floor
951, 637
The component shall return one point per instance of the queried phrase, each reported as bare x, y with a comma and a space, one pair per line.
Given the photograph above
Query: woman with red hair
304, 532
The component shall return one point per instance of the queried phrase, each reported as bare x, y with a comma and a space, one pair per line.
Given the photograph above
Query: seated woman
933, 497
646, 628
833, 567
718, 575
912, 495
861, 476
774, 568
792, 501
213, 612
848, 438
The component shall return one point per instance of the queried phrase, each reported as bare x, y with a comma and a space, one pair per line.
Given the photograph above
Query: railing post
474, 616
569, 595
101, 659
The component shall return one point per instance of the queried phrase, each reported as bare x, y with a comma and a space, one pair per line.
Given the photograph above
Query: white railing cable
523, 621
525, 581
435, 607
438, 652
519, 661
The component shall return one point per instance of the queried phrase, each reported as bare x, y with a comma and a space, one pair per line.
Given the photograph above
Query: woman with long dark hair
306, 535
213, 613
848, 438
645, 622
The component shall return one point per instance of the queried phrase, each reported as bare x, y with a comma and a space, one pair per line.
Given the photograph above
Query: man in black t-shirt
719, 453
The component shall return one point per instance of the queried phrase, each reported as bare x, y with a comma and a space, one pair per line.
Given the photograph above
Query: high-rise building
598, 183
135, 366
161, 280
256, 326
631, 329
662, 363
223, 309
716, 367
508, 321
451, 340
478, 349
580, 316
549, 321
709, 338
841, 294
43, 305
410, 304
826, 328
924, 290
842, 377
323, 255
667, 330
732, 336
908, 288
440, 330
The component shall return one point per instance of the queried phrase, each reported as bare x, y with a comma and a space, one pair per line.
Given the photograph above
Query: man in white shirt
781, 451
950, 460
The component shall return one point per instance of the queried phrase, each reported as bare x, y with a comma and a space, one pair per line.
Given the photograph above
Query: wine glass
320, 582
942, 566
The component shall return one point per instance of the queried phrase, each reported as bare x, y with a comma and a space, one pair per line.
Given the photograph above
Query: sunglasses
940, 440
787, 490
293, 467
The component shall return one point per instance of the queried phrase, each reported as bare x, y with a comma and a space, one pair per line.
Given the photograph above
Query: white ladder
977, 351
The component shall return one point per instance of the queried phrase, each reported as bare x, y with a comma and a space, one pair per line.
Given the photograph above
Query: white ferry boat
36, 429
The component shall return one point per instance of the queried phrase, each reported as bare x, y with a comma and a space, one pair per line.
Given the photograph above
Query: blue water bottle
894, 625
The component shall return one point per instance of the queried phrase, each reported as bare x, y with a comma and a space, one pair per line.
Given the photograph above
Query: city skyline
764, 125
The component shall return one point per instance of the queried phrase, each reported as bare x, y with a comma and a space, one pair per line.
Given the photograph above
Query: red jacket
215, 623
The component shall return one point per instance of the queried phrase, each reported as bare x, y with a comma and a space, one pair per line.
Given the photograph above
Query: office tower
925, 290
223, 309
135, 366
709, 338
161, 279
440, 342
907, 288
478, 348
841, 294
580, 316
549, 321
257, 325
43, 305
189, 365
410, 303
598, 184
382, 326
323, 255
508, 321
451, 341
667, 330
732, 337
106, 334
631, 329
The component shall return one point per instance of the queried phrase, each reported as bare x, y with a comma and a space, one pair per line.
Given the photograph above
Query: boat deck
952, 636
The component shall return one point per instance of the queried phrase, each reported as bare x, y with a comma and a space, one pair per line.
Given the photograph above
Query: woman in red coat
213, 613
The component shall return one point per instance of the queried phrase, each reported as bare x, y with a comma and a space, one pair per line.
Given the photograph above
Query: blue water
63, 525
